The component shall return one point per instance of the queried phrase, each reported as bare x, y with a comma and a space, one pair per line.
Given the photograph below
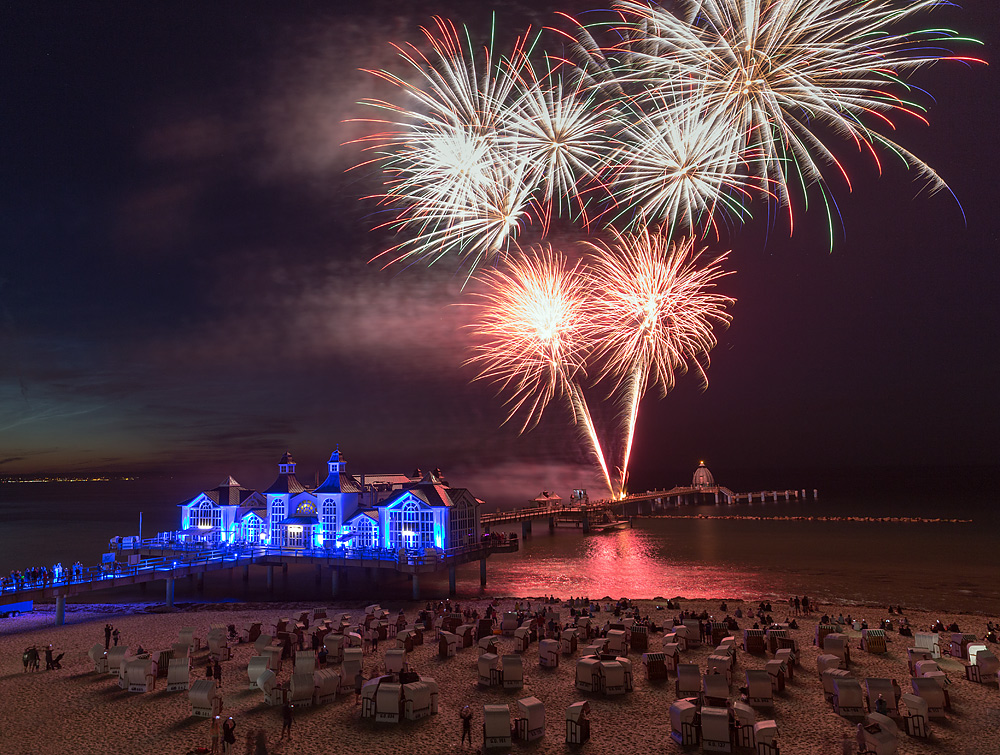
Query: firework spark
779, 68
680, 165
561, 129
530, 330
454, 185
655, 317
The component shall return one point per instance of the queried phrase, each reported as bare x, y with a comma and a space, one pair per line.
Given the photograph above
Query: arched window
365, 533
206, 516
411, 526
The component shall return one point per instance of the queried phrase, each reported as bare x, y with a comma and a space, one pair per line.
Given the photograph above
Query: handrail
204, 557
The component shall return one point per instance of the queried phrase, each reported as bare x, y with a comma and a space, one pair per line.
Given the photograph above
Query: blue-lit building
224, 514
419, 515
394, 511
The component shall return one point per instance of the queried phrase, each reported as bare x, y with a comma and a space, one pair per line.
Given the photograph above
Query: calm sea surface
772, 550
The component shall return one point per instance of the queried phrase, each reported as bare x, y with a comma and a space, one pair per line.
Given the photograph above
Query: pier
153, 560
587, 515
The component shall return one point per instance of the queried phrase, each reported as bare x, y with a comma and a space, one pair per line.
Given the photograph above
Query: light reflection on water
938, 566
621, 563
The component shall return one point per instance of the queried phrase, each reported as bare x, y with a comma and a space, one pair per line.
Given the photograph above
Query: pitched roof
286, 483
435, 495
370, 513
339, 482
229, 493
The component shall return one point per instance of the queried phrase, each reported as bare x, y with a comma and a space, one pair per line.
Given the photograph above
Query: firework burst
655, 317
530, 329
678, 165
780, 68
454, 185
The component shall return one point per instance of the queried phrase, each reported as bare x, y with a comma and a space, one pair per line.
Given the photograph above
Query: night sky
185, 287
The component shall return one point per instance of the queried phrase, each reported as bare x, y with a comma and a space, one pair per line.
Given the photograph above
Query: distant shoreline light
13, 480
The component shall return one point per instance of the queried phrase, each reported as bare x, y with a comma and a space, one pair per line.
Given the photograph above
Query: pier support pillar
246, 572
334, 581
452, 579
482, 572
552, 524
170, 592
142, 587
416, 586
586, 523
319, 574
525, 528
201, 582
284, 568
270, 577
60, 610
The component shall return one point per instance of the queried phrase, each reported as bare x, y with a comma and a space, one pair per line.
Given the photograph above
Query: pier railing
183, 555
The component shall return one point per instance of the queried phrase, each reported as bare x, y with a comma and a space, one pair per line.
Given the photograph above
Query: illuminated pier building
387, 511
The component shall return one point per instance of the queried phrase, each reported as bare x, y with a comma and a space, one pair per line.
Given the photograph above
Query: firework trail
655, 316
530, 331
780, 68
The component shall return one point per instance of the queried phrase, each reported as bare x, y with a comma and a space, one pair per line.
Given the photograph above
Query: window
250, 529
462, 525
277, 514
328, 518
206, 516
411, 526
365, 533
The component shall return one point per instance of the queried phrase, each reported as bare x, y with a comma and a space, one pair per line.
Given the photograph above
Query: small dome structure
702, 477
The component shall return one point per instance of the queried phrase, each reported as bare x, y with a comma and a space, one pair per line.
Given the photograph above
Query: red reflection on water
624, 563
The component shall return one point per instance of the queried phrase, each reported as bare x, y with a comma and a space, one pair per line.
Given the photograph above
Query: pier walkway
588, 514
152, 560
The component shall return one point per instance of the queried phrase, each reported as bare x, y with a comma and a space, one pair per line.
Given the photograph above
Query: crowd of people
40, 576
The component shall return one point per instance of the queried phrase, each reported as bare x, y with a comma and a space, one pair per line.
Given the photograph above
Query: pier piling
270, 577
482, 572
60, 610
334, 581
246, 572
416, 586
170, 592
452, 579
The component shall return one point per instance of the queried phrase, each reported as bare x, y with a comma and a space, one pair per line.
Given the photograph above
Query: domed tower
338, 497
279, 495
702, 477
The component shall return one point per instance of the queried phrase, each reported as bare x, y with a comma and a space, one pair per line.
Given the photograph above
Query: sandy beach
75, 710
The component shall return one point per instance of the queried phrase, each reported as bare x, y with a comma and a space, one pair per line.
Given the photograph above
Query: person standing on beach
107, 636
228, 736
217, 669
286, 721
359, 682
466, 716
116, 635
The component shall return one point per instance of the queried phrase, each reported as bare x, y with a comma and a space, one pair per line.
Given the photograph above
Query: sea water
834, 548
